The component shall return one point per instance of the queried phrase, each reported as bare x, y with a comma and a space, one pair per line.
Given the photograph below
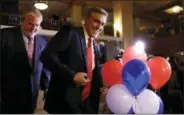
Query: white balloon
146, 102
119, 99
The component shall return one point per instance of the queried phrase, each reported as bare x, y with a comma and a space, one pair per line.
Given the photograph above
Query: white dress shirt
25, 38
93, 55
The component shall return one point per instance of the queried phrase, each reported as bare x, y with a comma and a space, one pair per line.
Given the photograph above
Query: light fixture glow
167, 58
174, 10
117, 27
139, 46
41, 5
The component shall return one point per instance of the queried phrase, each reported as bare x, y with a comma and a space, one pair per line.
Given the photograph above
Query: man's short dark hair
97, 10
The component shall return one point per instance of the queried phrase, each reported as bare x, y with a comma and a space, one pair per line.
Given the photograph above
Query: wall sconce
41, 5
117, 29
174, 10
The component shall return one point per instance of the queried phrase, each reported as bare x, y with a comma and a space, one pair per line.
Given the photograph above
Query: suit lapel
21, 48
83, 45
36, 51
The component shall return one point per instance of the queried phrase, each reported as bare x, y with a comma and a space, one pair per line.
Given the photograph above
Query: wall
166, 45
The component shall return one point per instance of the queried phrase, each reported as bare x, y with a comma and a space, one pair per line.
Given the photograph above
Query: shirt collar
85, 33
25, 37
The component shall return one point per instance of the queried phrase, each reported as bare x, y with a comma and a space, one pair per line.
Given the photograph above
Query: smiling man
72, 57
21, 67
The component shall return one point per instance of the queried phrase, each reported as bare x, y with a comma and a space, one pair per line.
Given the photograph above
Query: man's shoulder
11, 29
43, 38
11, 32
69, 27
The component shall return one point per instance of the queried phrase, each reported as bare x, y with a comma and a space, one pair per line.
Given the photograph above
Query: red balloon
111, 72
160, 71
133, 53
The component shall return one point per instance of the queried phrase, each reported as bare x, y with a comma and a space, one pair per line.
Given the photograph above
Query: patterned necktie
30, 49
87, 87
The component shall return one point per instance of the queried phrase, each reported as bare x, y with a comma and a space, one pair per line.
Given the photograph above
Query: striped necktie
30, 49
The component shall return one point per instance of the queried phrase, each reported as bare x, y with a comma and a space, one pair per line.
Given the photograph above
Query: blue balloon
136, 76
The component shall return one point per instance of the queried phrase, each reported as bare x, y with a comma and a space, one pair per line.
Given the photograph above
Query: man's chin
95, 35
32, 35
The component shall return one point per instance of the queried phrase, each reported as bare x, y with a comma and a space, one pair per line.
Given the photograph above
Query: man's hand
81, 79
104, 90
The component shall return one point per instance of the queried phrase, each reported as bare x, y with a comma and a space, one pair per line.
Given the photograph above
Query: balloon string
135, 103
138, 104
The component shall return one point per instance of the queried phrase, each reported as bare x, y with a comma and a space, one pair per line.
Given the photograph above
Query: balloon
160, 71
119, 99
111, 72
148, 102
136, 76
161, 109
132, 53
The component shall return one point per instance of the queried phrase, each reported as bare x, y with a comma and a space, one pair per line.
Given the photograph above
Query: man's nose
33, 27
98, 26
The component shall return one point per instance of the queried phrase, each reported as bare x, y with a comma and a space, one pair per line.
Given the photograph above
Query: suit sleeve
52, 55
45, 79
2, 45
0, 64
46, 74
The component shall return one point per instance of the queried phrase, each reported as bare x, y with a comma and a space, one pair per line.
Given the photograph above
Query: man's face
94, 24
31, 25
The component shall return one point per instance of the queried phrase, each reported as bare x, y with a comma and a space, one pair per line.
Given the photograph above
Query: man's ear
85, 20
40, 29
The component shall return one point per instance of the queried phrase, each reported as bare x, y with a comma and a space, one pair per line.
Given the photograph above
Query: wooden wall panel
166, 45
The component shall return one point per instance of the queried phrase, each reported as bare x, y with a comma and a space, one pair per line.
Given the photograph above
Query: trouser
87, 107
12, 108
181, 81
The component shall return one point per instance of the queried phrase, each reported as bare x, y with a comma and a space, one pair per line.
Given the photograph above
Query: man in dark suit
21, 68
72, 57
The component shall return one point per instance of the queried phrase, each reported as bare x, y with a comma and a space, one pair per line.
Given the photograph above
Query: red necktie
87, 87
30, 49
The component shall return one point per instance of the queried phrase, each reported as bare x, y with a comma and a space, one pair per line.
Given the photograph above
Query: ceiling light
41, 5
174, 10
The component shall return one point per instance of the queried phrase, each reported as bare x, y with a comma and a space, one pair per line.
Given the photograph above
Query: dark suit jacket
19, 82
64, 56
